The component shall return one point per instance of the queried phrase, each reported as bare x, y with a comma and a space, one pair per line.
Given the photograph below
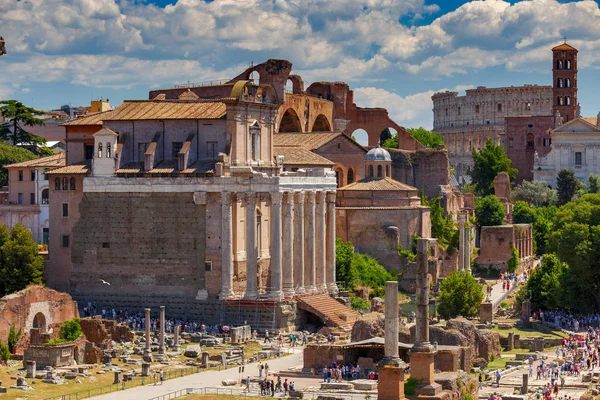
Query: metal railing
253, 392
204, 83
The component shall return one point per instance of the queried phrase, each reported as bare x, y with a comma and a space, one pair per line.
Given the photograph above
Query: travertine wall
142, 242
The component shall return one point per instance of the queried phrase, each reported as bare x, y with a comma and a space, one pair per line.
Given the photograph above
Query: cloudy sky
393, 53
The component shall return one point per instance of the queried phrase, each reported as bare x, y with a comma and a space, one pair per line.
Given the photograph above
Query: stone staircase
333, 313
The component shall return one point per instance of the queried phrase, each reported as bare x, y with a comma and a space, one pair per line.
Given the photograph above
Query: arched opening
255, 77
107, 149
568, 81
255, 142
379, 171
568, 100
99, 150
321, 124
72, 185
350, 176
568, 64
289, 86
339, 176
370, 171
56, 183
559, 83
387, 133
361, 137
39, 322
45, 196
559, 64
560, 101
530, 141
290, 122
65, 183
387, 171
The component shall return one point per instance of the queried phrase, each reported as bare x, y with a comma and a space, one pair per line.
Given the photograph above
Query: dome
378, 154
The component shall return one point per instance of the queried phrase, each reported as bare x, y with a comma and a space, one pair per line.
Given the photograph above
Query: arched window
559, 83
107, 149
65, 183
45, 194
370, 171
255, 142
99, 150
72, 183
568, 81
530, 140
568, 100
568, 64
379, 171
560, 101
559, 64
56, 183
350, 176
387, 171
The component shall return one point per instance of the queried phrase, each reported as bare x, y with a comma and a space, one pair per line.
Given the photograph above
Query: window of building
350, 176
446, 111
488, 122
99, 150
510, 142
387, 170
559, 64
106, 245
528, 107
89, 151
477, 109
176, 149
370, 171
547, 142
467, 122
33, 176
20, 175
339, 145
560, 101
108, 149
20, 198
32, 198
578, 158
379, 171
530, 140
568, 64
45, 235
568, 82
45, 193
568, 100
65, 183
559, 82
208, 266
65, 210
72, 185
499, 107
211, 150
56, 183
64, 240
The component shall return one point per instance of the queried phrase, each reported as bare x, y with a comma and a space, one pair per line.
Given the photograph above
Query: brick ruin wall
148, 244
426, 169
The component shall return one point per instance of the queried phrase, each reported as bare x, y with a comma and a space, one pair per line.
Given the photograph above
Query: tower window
568, 64
379, 171
568, 82
350, 176
107, 149
559, 82
568, 100
559, 64
99, 150
65, 183
530, 140
499, 107
370, 171
477, 109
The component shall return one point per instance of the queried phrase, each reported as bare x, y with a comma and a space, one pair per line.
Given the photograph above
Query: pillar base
288, 293
422, 363
251, 296
429, 390
277, 295
227, 295
300, 291
322, 288
390, 385
311, 290
332, 289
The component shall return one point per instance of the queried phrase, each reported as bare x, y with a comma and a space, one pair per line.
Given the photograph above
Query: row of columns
463, 143
302, 244
524, 243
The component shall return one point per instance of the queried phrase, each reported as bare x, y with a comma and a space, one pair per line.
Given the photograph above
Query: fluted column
161, 336
288, 245
299, 243
276, 278
320, 242
251, 248
331, 273
461, 242
226, 248
311, 259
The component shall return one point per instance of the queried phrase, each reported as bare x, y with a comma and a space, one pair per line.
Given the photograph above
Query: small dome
378, 154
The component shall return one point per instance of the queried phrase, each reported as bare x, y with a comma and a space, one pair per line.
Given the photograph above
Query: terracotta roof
168, 167
165, 167
131, 168
564, 46
310, 141
80, 168
89, 119
378, 184
300, 156
167, 109
54, 161
591, 120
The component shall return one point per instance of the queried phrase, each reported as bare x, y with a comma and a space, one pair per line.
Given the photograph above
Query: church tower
564, 87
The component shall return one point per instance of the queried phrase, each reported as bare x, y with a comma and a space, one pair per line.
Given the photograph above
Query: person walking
267, 338
260, 369
162, 376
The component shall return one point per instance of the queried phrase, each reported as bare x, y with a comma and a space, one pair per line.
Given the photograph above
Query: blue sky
393, 53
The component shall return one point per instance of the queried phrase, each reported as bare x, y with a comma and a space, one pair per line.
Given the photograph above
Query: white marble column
310, 233
461, 242
251, 248
331, 273
276, 252
299, 243
226, 247
321, 242
288, 245
467, 255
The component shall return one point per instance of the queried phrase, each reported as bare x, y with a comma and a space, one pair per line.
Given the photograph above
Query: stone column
331, 273
467, 255
147, 349
391, 320
161, 338
391, 368
176, 346
310, 233
251, 249
321, 242
461, 242
299, 243
276, 278
525, 385
226, 248
288, 245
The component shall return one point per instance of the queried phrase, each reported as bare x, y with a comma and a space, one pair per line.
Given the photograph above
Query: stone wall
21, 308
496, 243
102, 331
59, 355
152, 243
425, 169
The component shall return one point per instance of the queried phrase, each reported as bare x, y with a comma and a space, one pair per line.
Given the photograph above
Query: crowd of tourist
568, 321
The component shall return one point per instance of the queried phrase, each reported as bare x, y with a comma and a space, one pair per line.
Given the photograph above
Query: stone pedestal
30, 368
117, 377
390, 385
510, 341
422, 365
205, 359
486, 312
145, 369
525, 386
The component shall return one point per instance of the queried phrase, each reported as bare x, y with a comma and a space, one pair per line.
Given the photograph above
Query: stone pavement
203, 379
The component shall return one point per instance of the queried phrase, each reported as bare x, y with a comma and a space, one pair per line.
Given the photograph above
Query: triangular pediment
577, 125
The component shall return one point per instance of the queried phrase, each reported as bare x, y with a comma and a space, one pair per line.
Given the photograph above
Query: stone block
587, 377
192, 351
364, 384
486, 313
229, 382
3, 389
296, 395
336, 386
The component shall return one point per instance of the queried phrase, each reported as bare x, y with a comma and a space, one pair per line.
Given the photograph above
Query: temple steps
333, 313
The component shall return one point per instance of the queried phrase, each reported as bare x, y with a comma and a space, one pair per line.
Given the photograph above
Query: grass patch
536, 330
498, 363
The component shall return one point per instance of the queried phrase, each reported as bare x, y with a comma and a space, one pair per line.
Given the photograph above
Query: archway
289, 86
350, 176
255, 77
361, 137
39, 322
321, 124
290, 122
387, 133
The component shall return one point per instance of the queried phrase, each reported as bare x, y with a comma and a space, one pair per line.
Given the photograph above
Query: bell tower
564, 86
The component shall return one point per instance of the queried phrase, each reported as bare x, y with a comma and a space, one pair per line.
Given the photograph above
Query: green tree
426, 137
546, 283
594, 184
566, 186
21, 264
16, 116
536, 193
345, 270
489, 211
442, 226
10, 155
70, 330
4, 352
460, 294
66, 109
13, 338
523, 213
488, 163
385, 135
513, 262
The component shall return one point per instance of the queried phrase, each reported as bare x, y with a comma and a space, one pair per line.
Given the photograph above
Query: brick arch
289, 122
321, 124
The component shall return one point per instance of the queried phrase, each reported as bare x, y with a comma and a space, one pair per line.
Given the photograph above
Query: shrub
4, 352
13, 338
460, 294
70, 330
513, 263
410, 386
358, 303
